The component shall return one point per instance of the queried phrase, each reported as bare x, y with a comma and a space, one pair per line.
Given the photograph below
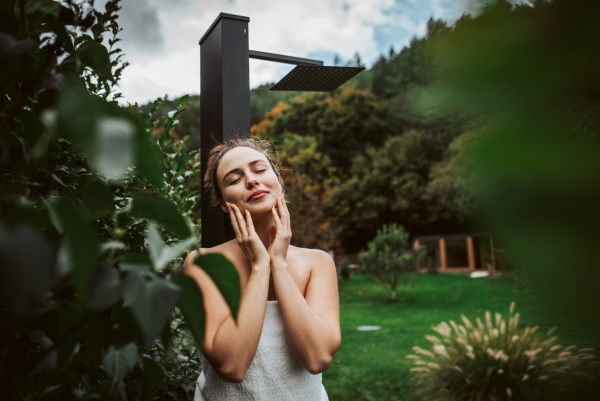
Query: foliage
499, 360
345, 269
308, 186
528, 71
343, 123
391, 258
88, 283
262, 100
188, 127
392, 185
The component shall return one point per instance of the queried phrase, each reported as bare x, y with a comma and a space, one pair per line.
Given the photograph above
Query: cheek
232, 194
272, 180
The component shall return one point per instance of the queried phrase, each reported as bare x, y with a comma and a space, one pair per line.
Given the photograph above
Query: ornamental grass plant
497, 360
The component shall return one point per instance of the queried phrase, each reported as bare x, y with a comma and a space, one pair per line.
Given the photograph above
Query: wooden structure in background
448, 256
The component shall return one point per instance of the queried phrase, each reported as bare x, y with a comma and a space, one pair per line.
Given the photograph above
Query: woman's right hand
249, 241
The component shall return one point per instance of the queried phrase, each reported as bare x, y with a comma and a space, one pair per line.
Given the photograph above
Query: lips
255, 194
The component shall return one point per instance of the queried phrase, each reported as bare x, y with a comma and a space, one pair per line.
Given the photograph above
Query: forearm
311, 339
235, 343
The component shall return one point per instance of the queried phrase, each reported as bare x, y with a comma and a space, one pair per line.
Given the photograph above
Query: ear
224, 206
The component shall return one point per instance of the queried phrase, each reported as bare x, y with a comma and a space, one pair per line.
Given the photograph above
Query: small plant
498, 360
345, 269
431, 265
391, 258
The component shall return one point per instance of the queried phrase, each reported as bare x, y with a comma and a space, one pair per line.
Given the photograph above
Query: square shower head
312, 78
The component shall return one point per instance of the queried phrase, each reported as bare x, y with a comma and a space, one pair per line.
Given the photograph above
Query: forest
389, 146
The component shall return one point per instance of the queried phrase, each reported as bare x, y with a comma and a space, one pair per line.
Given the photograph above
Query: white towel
274, 373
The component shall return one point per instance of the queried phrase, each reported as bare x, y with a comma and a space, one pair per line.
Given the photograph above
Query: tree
391, 185
308, 186
343, 123
391, 258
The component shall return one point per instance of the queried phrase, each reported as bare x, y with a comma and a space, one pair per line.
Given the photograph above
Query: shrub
345, 269
89, 286
498, 360
391, 258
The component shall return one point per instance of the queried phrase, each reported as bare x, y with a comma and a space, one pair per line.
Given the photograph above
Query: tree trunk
394, 293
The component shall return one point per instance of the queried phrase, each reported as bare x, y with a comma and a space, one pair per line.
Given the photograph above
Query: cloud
160, 39
141, 27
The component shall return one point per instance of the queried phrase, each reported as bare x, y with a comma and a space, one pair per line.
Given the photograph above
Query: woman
287, 329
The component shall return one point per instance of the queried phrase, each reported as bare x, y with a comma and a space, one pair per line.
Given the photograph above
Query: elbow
319, 365
231, 374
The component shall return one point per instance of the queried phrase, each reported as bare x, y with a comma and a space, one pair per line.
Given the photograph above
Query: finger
287, 221
249, 223
241, 222
234, 222
277, 221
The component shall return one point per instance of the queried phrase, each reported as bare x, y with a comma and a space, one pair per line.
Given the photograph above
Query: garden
487, 124
374, 365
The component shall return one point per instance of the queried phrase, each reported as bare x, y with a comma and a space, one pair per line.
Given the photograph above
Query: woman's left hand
281, 235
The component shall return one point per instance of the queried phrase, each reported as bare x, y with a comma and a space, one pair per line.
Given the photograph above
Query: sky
160, 38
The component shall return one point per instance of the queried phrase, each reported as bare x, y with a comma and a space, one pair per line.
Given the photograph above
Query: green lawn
372, 365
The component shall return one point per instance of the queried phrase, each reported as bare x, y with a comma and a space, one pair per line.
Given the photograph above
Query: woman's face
247, 179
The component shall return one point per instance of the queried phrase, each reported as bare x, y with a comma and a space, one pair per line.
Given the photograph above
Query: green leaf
178, 112
146, 160
137, 262
81, 243
114, 146
192, 306
58, 28
68, 317
151, 303
32, 125
94, 55
161, 211
20, 215
118, 362
98, 201
104, 291
225, 276
54, 218
25, 270
170, 252
168, 123
154, 372
107, 133
154, 241
181, 100
11, 47
163, 254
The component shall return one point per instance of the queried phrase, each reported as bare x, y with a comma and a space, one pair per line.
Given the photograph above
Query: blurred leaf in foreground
25, 269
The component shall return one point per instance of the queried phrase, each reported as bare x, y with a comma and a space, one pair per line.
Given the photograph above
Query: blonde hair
211, 183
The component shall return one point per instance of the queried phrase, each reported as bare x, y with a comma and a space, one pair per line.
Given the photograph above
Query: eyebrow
237, 170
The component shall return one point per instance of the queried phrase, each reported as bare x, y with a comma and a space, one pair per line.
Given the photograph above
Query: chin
261, 208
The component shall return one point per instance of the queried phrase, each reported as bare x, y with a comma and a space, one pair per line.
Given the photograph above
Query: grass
373, 365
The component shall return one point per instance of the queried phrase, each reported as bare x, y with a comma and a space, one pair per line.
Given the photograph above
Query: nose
252, 182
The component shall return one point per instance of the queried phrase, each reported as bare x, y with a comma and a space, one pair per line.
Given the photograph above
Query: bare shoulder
316, 258
222, 249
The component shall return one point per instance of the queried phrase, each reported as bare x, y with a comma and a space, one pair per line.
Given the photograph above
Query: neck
263, 224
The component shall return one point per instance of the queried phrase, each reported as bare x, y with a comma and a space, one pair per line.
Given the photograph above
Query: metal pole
224, 105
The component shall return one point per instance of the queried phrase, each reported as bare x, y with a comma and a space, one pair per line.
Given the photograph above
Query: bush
95, 208
498, 361
391, 258
345, 269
